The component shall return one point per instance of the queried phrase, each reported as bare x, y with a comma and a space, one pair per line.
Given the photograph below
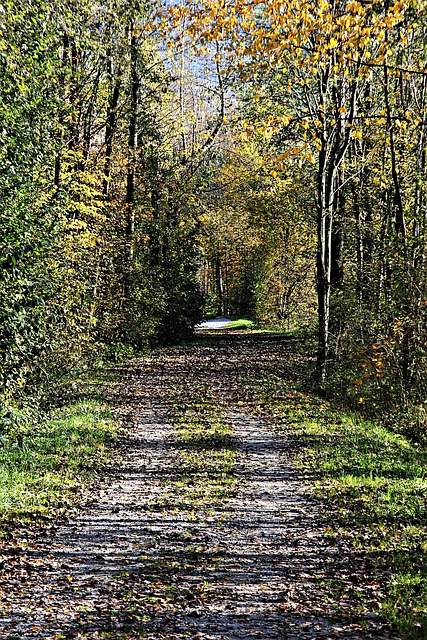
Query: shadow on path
141, 563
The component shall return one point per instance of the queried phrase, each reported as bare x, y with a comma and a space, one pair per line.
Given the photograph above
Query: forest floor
205, 524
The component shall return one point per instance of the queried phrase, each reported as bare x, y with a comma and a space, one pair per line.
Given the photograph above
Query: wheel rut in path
65, 587
277, 554
140, 563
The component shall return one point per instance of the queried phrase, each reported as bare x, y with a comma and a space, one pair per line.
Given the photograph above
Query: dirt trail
133, 565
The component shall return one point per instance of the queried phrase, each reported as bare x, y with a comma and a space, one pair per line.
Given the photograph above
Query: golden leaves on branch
310, 35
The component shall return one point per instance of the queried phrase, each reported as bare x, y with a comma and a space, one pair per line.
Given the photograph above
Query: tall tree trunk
111, 124
400, 225
130, 177
324, 237
219, 286
335, 140
337, 240
325, 180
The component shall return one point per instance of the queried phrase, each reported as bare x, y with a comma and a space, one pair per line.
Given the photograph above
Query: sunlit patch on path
214, 324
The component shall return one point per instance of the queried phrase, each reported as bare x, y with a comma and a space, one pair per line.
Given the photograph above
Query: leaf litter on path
149, 557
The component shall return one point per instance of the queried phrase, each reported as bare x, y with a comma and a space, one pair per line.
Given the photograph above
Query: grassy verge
374, 483
43, 466
207, 454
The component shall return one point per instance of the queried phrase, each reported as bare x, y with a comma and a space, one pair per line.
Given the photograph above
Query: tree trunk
400, 225
219, 286
110, 126
324, 232
130, 177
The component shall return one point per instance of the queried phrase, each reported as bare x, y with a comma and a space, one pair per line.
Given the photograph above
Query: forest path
164, 552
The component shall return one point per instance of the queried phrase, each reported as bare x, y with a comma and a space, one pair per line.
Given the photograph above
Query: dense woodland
253, 157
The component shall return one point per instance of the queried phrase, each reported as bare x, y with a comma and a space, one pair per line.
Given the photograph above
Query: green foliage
257, 238
28, 219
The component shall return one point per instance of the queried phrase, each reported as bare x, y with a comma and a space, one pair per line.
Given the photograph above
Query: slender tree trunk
335, 140
110, 126
324, 238
399, 220
324, 235
398, 201
360, 249
182, 109
337, 245
219, 286
130, 177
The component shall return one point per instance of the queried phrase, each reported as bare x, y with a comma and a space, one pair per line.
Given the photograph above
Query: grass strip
207, 452
169, 584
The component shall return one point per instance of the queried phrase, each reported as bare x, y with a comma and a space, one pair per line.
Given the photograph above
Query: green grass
374, 483
43, 466
241, 324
